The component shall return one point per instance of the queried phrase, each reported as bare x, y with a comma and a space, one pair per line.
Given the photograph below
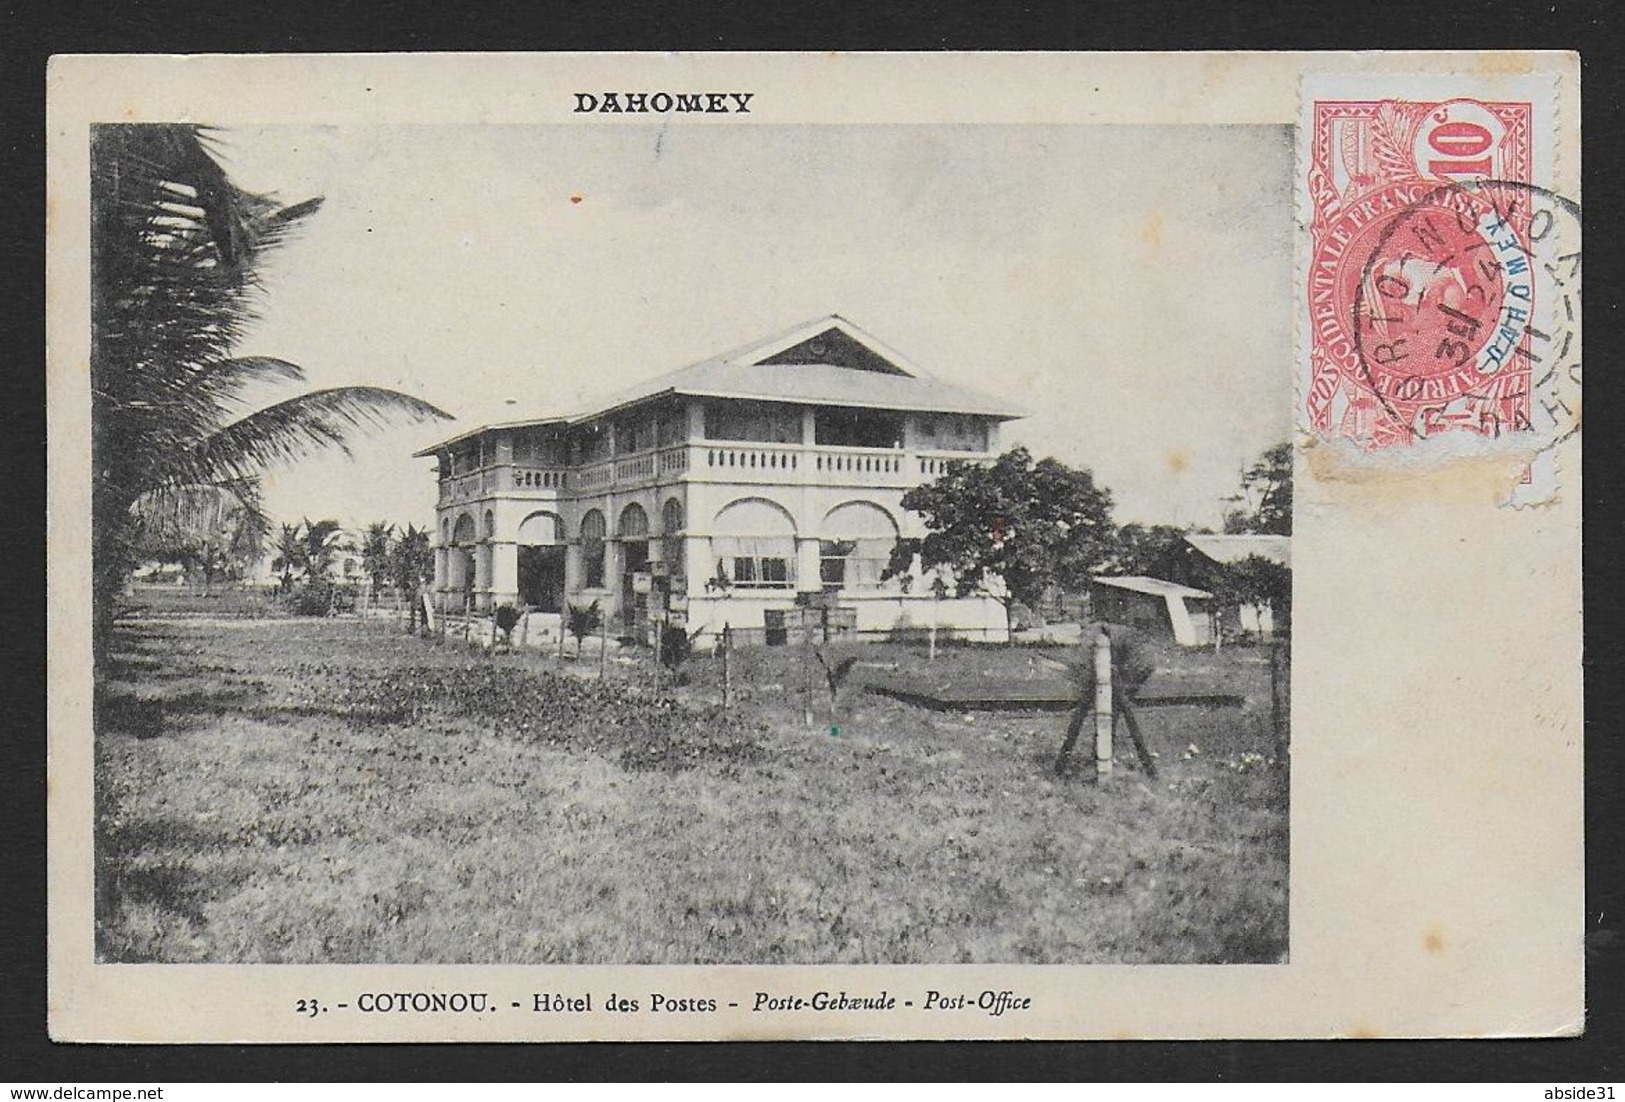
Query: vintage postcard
684, 547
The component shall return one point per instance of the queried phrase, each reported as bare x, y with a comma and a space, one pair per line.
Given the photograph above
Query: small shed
1154, 606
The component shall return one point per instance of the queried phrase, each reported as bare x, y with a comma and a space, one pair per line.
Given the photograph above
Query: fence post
429, 615
1280, 694
603, 643
659, 631
1105, 716
727, 644
806, 673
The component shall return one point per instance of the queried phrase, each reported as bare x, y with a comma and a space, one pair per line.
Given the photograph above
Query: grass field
288, 790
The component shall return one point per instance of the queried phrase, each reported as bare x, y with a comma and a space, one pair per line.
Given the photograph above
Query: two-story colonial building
720, 490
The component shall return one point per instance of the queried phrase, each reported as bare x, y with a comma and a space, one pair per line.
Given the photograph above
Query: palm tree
376, 543
321, 543
206, 530
175, 249
411, 563
287, 554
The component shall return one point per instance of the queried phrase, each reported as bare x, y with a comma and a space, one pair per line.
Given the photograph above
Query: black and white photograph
662, 549
493, 619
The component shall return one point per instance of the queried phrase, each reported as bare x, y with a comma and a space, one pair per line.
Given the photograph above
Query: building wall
484, 569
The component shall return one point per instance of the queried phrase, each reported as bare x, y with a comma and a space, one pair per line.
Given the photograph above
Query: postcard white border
1437, 875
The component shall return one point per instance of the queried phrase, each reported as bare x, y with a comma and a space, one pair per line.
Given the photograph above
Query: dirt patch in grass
332, 790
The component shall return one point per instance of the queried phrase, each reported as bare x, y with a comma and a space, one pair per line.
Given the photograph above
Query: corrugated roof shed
1154, 586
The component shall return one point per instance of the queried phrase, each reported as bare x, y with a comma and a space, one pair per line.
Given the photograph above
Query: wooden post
658, 640
806, 672
524, 628
1147, 762
1104, 713
1280, 656
727, 642
603, 644
1073, 727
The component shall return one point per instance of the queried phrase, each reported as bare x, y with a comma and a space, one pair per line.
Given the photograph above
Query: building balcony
713, 461
509, 480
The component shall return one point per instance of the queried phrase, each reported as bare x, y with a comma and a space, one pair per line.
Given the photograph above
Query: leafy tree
1266, 495
1256, 581
411, 560
176, 249
1146, 549
376, 544
1011, 528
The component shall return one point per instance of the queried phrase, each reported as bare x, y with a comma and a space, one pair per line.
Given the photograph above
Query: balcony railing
717, 461
540, 478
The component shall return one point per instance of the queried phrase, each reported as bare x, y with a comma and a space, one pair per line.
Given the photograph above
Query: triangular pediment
837, 348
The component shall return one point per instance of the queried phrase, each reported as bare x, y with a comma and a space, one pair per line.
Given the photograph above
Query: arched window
463, 533
541, 529
592, 549
671, 538
490, 524
634, 523
754, 545
855, 545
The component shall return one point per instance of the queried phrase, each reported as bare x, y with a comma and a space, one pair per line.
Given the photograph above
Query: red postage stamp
1421, 288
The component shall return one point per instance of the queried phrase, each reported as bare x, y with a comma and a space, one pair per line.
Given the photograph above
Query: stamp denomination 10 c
1426, 289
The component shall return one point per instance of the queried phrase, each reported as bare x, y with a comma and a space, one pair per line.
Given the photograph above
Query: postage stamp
1431, 274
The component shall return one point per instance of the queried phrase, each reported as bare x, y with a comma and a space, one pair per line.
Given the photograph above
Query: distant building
720, 491
1210, 555
1228, 549
1154, 606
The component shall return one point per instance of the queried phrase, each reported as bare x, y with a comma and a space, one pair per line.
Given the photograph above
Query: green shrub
1132, 663
676, 647
583, 621
507, 618
322, 597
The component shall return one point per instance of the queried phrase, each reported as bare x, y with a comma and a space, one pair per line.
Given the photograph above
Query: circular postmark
1550, 356
1455, 294
1440, 301
1451, 306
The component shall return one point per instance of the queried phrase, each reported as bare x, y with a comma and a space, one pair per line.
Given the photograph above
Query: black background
33, 31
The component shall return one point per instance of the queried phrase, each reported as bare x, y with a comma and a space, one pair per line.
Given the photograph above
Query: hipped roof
887, 381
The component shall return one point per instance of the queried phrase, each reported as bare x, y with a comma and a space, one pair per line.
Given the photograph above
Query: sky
1129, 286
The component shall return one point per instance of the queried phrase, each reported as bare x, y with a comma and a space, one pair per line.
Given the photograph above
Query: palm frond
304, 425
